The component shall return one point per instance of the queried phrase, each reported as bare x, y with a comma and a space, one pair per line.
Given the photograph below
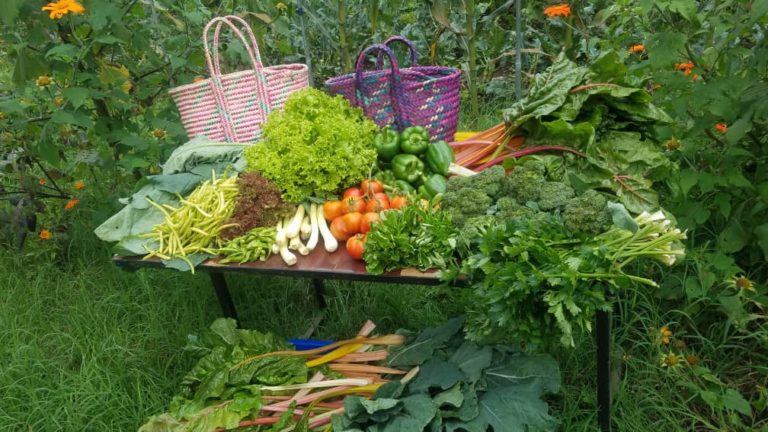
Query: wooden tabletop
319, 264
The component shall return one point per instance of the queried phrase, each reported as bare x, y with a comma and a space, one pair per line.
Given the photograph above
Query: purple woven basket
415, 96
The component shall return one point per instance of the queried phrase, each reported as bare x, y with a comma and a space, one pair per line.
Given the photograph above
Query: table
320, 265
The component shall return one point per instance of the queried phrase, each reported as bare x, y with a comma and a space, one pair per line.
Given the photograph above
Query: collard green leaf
538, 372
416, 352
435, 374
509, 409
451, 398
363, 410
418, 411
181, 265
472, 360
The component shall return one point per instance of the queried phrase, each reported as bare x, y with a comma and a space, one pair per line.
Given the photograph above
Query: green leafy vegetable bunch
316, 145
418, 235
459, 386
532, 281
216, 394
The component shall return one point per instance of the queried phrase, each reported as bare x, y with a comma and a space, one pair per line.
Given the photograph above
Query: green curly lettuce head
317, 144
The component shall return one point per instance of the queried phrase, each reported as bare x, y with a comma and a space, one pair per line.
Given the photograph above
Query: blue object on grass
308, 344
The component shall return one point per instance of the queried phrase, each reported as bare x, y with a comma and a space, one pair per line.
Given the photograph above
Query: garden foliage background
84, 116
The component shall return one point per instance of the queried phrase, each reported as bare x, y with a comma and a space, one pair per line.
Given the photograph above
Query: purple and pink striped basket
232, 107
415, 96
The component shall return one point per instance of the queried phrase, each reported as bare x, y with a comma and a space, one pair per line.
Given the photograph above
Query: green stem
346, 61
469, 9
606, 276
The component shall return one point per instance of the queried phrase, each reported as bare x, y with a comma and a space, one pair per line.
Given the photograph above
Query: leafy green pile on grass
459, 386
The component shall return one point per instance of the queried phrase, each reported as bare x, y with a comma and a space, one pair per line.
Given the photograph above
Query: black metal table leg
222, 293
319, 286
603, 336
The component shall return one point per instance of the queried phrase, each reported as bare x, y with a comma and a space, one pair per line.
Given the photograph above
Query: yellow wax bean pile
197, 222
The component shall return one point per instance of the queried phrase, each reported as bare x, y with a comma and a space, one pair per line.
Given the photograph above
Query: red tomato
378, 203
352, 204
353, 192
339, 230
398, 202
368, 219
356, 246
352, 222
332, 210
371, 187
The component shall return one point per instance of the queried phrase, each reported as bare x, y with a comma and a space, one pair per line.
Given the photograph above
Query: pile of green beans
255, 245
196, 224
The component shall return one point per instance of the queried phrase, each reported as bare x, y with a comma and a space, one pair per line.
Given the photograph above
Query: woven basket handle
214, 69
394, 79
411, 48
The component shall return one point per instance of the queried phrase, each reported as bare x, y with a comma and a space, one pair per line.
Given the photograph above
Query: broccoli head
476, 226
490, 181
465, 203
507, 208
587, 213
525, 181
554, 195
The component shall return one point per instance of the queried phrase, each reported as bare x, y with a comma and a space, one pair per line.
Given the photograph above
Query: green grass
85, 346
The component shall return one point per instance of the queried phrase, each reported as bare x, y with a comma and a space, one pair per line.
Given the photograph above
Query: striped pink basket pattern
232, 107
414, 96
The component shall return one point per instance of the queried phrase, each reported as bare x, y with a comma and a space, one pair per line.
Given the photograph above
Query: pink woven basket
232, 107
415, 96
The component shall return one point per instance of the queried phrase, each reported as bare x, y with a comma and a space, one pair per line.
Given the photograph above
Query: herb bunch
531, 280
416, 236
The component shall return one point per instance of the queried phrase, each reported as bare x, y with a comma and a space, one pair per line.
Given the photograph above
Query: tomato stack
360, 207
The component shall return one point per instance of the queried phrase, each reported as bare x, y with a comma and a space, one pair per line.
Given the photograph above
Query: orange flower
45, 235
638, 48
666, 333
71, 204
42, 181
695, 77
63, 7
79, 185
562, 10
692, 359
721, 127
197, 79
686, 68
44, 81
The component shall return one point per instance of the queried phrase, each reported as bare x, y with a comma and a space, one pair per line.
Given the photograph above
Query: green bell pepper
407, 167
404, 187
434, 185
387, 144
414, 140
439, 157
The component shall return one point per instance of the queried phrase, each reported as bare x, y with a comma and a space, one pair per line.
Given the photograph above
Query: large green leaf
512, 409
547, 93
29, 65
418, 411
72, 118
472, 360
435, 374
539, 372
421, 349
9, 10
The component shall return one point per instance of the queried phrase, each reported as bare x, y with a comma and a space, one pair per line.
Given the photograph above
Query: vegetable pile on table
542, 217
